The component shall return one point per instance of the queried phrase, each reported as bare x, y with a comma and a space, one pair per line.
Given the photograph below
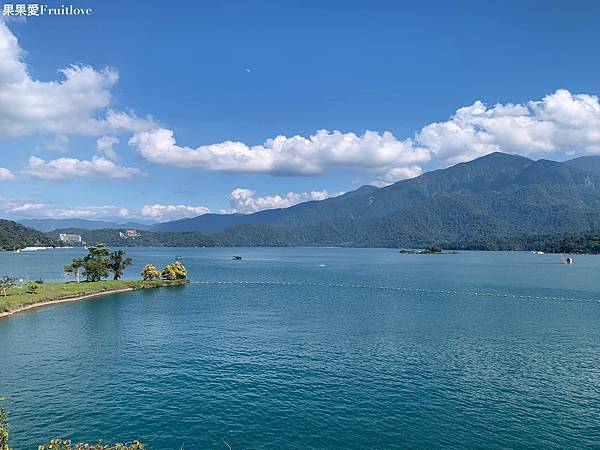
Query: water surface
314, 364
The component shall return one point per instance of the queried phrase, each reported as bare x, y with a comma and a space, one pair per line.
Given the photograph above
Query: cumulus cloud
62, 169
243, 200
79, 103
171, 212
6, 175
105, 146
153, 213
560, 124
378, 154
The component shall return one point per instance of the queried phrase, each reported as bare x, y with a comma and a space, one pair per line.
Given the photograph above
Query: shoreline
83, 297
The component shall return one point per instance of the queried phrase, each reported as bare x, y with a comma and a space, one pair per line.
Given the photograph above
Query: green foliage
147, 239
32, 287
14, 236
98, 262
6, 283
3, 431
577, 243
59, 444
118, 263
174, 271
149, 272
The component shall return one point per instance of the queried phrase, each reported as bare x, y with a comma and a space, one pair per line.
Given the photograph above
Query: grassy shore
18, 299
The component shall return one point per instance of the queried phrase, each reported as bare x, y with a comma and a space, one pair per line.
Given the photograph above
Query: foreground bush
175, 271
150, 273
59, 444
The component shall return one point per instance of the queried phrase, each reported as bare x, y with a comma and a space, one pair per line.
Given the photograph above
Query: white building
71, 238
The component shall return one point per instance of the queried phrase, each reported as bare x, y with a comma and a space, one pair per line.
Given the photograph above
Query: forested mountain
14, 236
113, 238
47, 225
496, 195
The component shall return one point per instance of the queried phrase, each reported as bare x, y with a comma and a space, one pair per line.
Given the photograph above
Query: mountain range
47, 225
496, 195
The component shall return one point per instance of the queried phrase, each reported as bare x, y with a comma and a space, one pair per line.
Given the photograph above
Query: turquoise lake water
314, 348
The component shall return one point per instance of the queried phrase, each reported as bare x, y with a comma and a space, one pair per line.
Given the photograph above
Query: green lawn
17, 296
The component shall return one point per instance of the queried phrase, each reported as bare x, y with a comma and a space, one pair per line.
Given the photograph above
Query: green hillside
14, 236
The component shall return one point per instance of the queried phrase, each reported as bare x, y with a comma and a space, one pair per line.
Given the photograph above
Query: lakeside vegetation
18, 296
95, 267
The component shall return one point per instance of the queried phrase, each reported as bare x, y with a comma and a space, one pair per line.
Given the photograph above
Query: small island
431, 250
94, 268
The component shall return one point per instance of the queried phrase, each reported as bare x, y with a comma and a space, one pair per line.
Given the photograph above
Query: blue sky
189, 90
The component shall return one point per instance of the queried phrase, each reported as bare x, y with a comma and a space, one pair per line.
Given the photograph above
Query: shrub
59, 444
174, 271
3, 431
149, 273
32, 287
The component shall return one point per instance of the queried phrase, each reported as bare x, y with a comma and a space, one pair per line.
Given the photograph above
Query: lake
314, 348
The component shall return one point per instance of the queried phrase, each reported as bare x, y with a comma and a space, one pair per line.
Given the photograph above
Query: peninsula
18, 299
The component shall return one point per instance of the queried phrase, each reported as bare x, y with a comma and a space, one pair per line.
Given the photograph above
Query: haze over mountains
495, 195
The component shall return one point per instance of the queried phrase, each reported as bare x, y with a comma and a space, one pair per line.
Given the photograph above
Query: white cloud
560, 124
157, 212
79, 103
50, 211
6, 175
378, 154
171, 212
243, 200
62, 169
105, 145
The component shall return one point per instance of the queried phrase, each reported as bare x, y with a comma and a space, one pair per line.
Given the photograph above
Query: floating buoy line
401, 289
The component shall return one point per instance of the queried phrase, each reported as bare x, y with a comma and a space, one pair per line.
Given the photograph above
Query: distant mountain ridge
498, 194
46, 225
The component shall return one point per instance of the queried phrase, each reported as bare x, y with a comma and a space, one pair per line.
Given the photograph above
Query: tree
174, 271
32, 287
6, 283
150, 273
95, 264
118, 263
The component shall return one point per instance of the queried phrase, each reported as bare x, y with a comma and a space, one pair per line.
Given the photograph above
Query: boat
566, 259
237, 258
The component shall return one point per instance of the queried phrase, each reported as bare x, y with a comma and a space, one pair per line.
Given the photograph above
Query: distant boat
566, 259
237, 258
538, 252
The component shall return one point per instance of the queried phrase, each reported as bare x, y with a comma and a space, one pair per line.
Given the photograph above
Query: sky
160, 110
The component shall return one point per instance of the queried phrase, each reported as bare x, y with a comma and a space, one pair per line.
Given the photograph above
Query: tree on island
150, 273
118, 263
174, 271
99, 262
